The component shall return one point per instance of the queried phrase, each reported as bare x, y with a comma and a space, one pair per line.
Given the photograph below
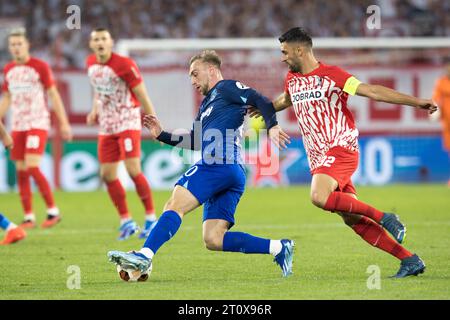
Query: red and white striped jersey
118, 107
27, 84
319, 99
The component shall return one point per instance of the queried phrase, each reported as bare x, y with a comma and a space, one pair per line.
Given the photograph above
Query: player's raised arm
58, 107
141, 94
185, 141
384, 94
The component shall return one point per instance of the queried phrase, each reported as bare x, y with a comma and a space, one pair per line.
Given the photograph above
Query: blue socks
169, 223
4, 222
166, 227
244, 242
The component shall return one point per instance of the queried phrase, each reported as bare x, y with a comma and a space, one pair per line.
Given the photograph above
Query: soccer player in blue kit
217, 181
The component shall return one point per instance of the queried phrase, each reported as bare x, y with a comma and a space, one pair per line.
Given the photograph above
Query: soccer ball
131, 275
257, 123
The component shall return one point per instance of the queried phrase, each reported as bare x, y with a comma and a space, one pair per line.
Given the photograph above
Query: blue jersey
218, 179
221, 116
218, 127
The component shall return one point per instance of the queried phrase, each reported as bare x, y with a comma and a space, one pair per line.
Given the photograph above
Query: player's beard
295, 67
204, 89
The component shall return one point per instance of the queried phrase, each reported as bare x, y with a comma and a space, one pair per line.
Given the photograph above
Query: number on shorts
328, 161
128, 144
32, 142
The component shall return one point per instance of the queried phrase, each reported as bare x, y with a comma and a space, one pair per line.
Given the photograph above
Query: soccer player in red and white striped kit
318, 94
119, 91
27, 81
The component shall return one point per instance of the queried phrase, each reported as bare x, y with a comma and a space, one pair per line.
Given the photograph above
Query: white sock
30, 217
147, 253
275, 247
124, 220
150, 217
11, 226
53, 211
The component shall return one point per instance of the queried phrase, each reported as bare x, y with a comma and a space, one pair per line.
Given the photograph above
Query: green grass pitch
330, 260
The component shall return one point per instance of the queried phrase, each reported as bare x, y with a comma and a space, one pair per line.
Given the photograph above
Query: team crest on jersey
213, 95
319, 81
240, 85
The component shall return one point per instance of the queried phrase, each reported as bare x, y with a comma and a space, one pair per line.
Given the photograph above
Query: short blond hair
18, 32
207, 56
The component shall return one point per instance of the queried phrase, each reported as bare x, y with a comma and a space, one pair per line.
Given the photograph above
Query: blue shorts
218, 186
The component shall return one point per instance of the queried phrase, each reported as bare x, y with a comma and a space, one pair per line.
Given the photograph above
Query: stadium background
398, 144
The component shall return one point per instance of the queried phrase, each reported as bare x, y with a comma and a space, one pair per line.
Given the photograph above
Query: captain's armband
351, 85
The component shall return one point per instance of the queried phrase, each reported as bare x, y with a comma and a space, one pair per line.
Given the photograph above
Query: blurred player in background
13, 232
26, 82
119, 91
218, 179
442, 97
319, 94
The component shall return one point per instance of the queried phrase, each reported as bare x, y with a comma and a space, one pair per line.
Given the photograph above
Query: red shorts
340, 164
31, 141
117, 147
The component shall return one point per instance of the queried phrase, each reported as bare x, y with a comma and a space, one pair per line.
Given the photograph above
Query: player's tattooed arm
5, 102
384, 94
141, 94
282, 102
58, 108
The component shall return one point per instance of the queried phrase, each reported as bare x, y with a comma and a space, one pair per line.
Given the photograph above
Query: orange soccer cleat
14, 235
28, 224
50, 221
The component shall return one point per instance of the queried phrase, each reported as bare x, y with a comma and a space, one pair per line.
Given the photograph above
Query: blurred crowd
45, 20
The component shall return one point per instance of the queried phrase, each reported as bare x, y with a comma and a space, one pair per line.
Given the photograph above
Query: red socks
144, 192
24, 185
118, 197
43, 186
376, 236
341, 202
367, 227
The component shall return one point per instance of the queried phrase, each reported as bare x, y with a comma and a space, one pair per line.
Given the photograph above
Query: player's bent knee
133, 172
107, 176
21, 166
212, 243
319, 199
